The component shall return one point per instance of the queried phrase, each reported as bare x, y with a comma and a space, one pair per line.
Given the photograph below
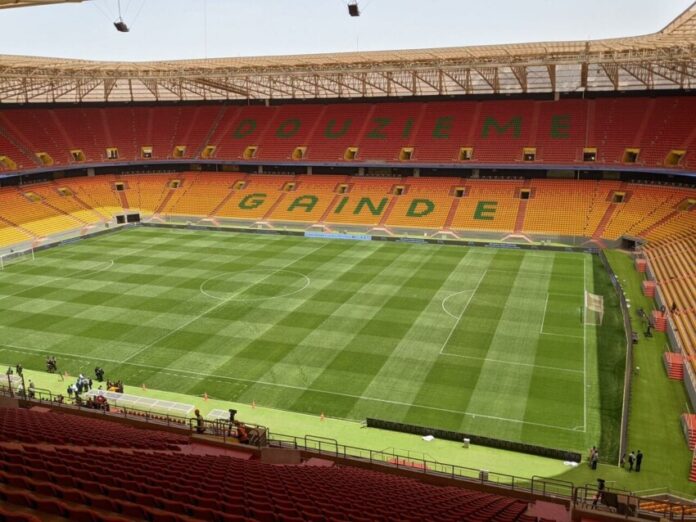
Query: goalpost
16, 256
593, 311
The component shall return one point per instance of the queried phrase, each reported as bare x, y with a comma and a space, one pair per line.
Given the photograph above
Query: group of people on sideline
634, 459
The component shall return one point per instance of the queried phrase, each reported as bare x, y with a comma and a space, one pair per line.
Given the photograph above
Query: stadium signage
331, 235
381, 128
416, 208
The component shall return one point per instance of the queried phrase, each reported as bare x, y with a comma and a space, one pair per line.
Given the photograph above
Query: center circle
254, 284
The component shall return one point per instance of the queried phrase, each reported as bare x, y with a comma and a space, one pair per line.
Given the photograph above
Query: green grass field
480, 340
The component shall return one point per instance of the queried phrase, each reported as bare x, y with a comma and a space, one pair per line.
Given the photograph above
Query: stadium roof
7, 4
662, 60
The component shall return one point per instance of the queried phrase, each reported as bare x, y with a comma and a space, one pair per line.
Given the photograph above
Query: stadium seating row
18, 424
554, 207
563, 132
673, 262
112, 483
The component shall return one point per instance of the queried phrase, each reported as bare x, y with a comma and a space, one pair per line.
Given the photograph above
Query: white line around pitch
454, 327
199, 375
584, 352
513, 363
543, 317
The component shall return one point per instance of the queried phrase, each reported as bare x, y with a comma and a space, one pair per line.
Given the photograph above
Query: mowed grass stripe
116, 322
179, 347
292, 350
346, 357
362, 336
405, 372
556, 395
502, 390
450, 381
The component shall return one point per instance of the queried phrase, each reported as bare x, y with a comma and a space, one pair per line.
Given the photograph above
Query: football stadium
455, 283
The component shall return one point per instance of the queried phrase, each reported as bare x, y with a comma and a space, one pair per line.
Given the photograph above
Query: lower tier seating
164, 486
46, 426
674, 266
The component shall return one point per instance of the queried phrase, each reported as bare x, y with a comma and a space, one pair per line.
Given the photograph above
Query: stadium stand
488, 205
367, 201
322, 187
411, 209
256, 199
496, 131
169, 484
29, 426
56, 462
673, 265
33, 214
556, 208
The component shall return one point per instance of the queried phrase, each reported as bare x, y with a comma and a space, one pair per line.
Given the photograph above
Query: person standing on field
639, 460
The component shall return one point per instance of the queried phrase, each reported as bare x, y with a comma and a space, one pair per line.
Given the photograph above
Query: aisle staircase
641, 264
674, 364
659, 320
688, 422
452, 213
124, 199
649, 288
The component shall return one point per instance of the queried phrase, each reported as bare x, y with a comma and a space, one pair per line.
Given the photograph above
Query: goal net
16, 256
593, 311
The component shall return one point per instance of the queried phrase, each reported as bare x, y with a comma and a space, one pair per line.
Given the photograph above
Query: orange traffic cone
253, 405
205, 396
322, 417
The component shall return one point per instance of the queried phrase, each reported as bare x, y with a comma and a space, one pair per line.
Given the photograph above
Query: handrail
546, 487
627, 504
392, 459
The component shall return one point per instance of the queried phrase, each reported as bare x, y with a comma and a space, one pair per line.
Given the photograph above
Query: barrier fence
628, 368
618, 501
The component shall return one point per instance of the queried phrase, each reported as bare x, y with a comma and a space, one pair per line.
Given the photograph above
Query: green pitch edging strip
656, 406
348, 433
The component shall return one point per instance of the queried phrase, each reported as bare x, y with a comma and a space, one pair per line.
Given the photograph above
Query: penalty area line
468, 301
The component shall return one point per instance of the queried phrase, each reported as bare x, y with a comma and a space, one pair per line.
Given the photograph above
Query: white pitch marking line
543, 317
562, 335
534, 272
513, 363
468, 301
218, 305
307, 282
444, 308
289, 386
584, 352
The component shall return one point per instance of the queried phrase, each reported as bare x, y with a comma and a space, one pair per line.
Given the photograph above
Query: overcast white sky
178, 29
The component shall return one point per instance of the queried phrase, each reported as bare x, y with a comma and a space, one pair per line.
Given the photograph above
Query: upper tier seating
497, 131
17, 424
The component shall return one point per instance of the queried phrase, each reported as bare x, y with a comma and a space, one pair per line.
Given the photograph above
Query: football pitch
487, 341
